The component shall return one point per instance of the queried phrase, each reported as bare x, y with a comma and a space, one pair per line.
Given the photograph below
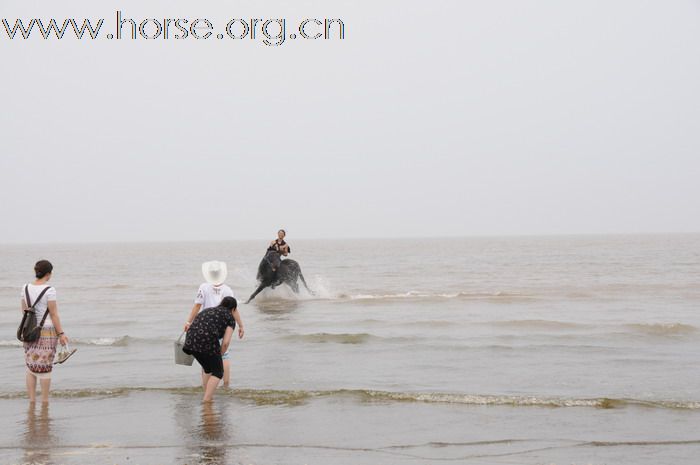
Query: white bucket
182, 358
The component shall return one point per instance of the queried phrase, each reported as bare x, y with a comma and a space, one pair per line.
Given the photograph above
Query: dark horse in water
288, 272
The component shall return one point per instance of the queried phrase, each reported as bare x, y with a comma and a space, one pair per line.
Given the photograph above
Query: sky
430, 118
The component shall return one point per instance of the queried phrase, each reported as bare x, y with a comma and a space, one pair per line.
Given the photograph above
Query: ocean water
528, 350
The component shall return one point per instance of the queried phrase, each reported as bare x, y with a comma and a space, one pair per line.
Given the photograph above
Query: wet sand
162, 428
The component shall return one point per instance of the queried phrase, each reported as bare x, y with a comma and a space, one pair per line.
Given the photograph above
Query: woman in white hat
210, 294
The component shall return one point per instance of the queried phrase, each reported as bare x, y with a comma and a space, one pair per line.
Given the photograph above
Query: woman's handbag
181, 358
28, 330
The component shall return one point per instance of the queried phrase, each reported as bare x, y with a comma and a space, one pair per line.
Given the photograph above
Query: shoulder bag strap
31, 307
40, 296
26, 299
43, 319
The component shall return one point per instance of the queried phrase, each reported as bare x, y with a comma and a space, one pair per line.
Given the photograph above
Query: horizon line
340, 238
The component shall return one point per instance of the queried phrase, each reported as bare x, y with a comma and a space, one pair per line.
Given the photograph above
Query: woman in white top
210, 294
39, 355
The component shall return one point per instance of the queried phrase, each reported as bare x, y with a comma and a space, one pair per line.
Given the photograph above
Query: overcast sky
431, 118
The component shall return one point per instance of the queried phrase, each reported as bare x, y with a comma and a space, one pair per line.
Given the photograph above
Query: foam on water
118, 341
662, 329
296, 397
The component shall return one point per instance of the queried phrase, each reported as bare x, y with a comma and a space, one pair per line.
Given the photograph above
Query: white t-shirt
43, 304
209, 295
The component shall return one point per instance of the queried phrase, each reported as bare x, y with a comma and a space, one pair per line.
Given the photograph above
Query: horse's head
265, 273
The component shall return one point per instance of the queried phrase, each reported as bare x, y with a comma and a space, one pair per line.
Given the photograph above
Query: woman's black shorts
211, 364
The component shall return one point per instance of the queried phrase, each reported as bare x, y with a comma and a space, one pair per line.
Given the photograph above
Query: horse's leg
257, 291
305, 285
294, 285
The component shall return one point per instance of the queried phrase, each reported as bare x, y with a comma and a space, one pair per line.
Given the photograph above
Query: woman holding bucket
202, 341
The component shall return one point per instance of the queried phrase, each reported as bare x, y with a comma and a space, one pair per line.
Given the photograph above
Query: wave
292, 397
630, 329
417, 295
322, 293
117, 286
662, 329
343, 338
104, 341
645, 329
346, 338
536, 324
587, 330
119, 341
12, 343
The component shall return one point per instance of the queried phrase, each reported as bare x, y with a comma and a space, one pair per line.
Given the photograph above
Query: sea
543, 350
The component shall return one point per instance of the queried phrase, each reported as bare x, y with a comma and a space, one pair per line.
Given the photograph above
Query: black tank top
276, 246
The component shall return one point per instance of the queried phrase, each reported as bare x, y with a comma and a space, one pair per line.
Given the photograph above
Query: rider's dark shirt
277, 245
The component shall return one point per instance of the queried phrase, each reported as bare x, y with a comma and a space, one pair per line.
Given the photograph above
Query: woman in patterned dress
39, 355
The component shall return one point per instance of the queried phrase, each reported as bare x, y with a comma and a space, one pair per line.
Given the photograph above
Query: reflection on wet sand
211, 430
206, 431
38, 440
277, 308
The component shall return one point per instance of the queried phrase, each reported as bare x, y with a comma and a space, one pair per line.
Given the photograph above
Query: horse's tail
303, 281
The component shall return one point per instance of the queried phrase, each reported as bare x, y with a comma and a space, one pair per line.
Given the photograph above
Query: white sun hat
214, 272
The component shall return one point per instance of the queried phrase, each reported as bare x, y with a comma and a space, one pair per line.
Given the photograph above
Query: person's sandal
64, 354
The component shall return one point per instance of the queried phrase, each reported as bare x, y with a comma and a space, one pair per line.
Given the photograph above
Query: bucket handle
179, 339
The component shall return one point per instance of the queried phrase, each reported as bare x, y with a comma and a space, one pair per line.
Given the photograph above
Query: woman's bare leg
45, 387
227, 373
212, 384
31, 387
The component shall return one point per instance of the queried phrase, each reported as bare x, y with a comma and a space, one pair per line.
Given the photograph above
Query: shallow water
550, 339
164, 427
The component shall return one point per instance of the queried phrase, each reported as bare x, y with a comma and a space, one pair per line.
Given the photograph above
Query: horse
288, 272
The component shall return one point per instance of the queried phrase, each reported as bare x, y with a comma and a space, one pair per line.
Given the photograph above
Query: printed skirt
39, 355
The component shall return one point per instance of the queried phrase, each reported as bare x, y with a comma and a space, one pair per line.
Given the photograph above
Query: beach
171, 427
503, 350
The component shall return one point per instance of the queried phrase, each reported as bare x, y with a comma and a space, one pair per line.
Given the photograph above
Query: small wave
322, 292
662, 329
103, 341
121, 341
638, 443
78, 393
285, 294
647, 329
344, 338
118, 286
107, 286
12, 343
11, 288
417, 295
536, 324
294, 397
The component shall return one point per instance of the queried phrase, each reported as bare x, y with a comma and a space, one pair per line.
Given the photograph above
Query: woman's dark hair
42, 268
229, 302
285, 232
